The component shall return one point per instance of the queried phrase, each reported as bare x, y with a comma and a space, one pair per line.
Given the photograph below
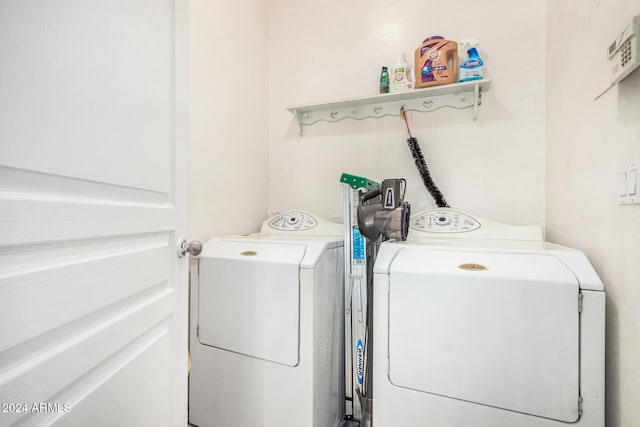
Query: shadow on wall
629, 101
612, 361
447, 118
348, 127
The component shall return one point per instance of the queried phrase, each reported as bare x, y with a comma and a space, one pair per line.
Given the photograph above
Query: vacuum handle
369, 195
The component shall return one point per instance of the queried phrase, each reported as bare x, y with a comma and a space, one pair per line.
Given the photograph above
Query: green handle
358, 182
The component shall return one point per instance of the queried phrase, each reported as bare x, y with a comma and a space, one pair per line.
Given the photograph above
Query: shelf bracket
476, 101
298, 118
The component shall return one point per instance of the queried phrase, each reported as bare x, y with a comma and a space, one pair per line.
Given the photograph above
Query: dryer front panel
249, 299
498, 329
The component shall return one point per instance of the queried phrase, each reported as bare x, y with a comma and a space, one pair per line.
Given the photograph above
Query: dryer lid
497, 329
249, 299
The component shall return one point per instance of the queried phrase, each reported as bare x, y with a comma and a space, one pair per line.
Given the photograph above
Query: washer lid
495, 328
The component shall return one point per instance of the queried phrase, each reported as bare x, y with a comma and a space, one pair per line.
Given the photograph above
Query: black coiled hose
421, 164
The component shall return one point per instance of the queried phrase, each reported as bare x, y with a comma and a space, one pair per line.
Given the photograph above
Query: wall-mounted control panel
623, 53
293, 221
630, 184
444, 221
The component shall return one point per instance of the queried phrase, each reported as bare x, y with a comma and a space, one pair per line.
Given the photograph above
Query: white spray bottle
471, 69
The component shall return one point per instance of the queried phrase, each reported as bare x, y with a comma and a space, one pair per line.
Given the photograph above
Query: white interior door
93, 299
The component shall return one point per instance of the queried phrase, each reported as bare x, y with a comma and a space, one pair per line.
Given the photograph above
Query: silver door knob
194, 248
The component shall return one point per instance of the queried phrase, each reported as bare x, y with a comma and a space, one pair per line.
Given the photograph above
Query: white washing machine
267, 329
479, 324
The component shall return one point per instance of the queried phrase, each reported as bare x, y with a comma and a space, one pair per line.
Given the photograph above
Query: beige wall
228, 116
334, 49
587, 141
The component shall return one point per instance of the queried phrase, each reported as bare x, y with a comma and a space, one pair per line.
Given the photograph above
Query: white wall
334, 49
587, 141
228, 117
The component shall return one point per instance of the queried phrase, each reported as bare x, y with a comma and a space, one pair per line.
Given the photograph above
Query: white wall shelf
456, 95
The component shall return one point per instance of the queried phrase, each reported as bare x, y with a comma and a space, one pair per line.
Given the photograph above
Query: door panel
138, 363
97, 277
93, 299
95, 74
97, 351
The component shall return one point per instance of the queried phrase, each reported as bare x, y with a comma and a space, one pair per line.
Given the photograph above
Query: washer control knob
443, 220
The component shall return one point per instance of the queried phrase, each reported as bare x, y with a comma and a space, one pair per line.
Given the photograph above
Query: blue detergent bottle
471, 69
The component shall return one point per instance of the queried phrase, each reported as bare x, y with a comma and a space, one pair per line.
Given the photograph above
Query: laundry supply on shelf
471, 69
436, 62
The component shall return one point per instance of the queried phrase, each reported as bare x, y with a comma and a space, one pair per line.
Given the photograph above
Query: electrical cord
423, 169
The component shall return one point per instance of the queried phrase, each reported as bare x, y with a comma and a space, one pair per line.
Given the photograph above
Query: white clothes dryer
485, 325
266, 339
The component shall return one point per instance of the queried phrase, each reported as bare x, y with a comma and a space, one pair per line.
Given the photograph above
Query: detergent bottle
400, 77
436, 62
471, 69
